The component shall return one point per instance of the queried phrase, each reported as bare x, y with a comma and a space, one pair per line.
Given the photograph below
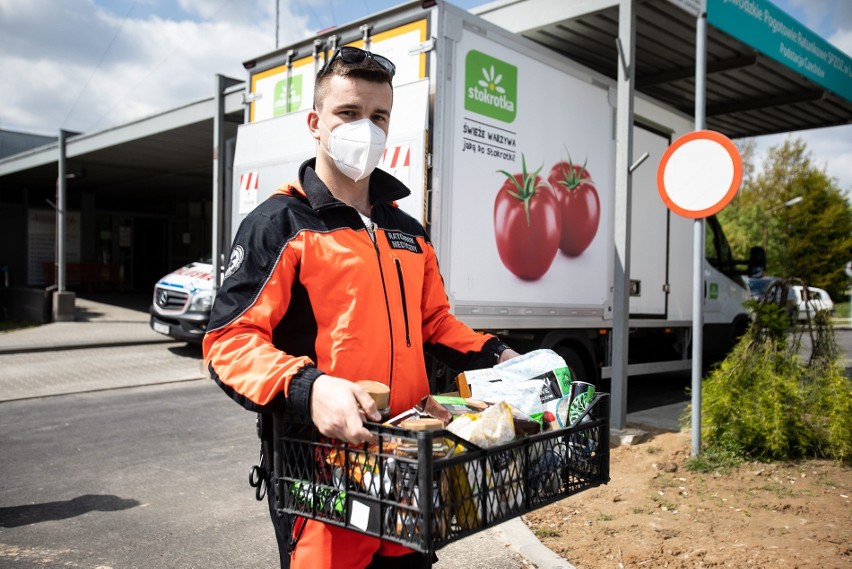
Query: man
330, 283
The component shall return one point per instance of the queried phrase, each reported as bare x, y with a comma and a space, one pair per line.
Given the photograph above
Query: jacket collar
384, 188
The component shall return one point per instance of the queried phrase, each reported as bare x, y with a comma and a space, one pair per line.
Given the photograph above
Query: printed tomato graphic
579, 204
526, 224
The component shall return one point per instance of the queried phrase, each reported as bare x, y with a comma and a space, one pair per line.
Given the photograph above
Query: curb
82, 346
524, 542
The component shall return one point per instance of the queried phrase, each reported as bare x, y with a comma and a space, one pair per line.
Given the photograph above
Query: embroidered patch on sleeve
237, 256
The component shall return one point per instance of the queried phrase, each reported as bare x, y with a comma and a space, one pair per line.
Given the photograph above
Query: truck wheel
738, 330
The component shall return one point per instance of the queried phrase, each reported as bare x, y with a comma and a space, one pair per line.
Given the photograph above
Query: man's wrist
498, 352
300, 388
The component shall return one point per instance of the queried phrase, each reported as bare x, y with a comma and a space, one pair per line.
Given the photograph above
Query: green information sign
773, 32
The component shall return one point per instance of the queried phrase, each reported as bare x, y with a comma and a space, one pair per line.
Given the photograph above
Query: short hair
368, 70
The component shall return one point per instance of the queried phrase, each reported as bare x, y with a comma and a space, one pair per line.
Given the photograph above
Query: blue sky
85, 65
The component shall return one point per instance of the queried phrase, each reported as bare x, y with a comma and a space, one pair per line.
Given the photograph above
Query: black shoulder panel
260, 239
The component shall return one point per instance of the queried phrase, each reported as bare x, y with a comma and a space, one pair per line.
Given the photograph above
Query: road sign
699, 174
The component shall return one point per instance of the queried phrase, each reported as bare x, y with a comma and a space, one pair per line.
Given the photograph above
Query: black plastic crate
441, 488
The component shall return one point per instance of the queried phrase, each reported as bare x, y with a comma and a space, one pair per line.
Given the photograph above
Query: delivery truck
508, 149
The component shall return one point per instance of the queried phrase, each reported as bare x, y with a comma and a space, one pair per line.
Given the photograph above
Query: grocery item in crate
580, 399
363, 468
380, 393
491, 427
532, 383
545, 473
319, 498
501, 480
407, 489
531, 364
448, 407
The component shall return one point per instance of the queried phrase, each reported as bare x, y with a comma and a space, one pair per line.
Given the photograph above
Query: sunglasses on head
354, 55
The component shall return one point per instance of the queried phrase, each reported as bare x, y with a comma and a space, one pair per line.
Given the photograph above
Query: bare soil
655, 513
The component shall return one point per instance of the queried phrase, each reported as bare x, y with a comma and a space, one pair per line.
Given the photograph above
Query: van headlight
201, 302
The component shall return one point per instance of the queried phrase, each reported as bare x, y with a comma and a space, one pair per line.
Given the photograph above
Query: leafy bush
765, 403
828, 395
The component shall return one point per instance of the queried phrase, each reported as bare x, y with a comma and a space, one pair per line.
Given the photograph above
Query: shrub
768, 404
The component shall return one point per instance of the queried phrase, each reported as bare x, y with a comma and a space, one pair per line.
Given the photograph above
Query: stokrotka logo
491, 86
280, 104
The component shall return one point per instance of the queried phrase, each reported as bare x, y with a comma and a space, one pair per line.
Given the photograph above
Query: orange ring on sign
736, 160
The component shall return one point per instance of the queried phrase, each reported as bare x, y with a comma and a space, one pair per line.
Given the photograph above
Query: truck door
649, 231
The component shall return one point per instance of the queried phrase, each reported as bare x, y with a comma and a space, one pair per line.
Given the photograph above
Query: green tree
812, 239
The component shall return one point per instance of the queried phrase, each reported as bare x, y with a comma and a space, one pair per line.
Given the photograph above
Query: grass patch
778, 490
716, 458
546, 532
841, 310
667, 481
663, 503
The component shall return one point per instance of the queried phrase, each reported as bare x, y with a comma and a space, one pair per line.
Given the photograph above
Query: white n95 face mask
356, 147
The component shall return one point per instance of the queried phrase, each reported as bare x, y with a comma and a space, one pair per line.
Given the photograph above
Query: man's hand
339, 408
508, 354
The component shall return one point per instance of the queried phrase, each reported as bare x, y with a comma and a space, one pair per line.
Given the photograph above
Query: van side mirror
756, 262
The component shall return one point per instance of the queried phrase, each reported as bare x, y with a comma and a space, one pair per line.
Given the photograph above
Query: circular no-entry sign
699, 174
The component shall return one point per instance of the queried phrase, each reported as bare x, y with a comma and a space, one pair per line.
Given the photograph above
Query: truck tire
738, 330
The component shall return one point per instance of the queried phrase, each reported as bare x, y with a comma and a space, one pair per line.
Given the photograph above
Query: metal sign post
698, 238
848, 270
699, 175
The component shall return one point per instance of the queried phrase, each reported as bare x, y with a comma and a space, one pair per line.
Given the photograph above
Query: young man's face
348, 100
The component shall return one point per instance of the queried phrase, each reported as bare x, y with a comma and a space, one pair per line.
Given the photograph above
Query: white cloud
822, 16
842, 40
78, 66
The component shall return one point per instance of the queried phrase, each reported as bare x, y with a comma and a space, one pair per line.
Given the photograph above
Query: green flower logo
492, 82
491, 86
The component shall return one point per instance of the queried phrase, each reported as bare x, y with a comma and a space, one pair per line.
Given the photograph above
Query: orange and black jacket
307, 291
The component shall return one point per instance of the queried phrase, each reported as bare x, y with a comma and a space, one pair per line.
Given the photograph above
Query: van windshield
717, 250
758, 286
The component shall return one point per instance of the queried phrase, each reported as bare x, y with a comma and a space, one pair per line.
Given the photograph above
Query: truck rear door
649, 231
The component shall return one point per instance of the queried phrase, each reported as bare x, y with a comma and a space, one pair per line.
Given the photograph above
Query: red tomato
579, 204
526, 224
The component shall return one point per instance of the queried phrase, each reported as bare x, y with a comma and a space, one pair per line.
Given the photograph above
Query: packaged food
380, 393
407, 488
489, 428
363, 468
532, 383
446, 407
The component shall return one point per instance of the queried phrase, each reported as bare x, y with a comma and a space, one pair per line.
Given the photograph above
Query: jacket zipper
375, 241
404, 304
